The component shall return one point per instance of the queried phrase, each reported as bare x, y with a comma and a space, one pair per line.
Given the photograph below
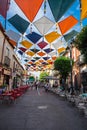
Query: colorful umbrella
35, 50
19, 23
22, 49
70, 35
46, 58
52, 36
59, 7
48, 50
41, 53
26, 60
34, 37
42, 44
83, 9
60, 50
30, 53
58, 44
53, 53
29, 7
36, 58
13, 35
20, 52
54, 57
70, 21
43, 25
26, 44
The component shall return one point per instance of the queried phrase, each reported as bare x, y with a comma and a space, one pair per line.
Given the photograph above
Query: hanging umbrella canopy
26, 44
22, 49
13, 35
29, 7
50, 61
33, 60
42, 44
30, 62
43, 25
4, 6
70, 35
59, 7
46, 58
44, 63
26, 60
60, 50
41, 53
37, 63
30, 53
58, 44
54, 57
41, 60
52, 36
36, 58
48, 50
35, 50
19, 23
20, 52
53, 53
34, 37
67, 24
83, 9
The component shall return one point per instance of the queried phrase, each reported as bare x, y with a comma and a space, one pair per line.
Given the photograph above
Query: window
7, 52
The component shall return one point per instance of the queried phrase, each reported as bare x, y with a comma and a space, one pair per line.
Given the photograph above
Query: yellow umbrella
26, 44
30, 53
61, 49
52, 36
83, 9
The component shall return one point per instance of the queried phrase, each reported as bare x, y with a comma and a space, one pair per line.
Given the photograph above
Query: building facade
10, 65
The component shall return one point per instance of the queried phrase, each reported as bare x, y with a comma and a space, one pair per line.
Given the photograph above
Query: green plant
81, 42
43, 75
63, 65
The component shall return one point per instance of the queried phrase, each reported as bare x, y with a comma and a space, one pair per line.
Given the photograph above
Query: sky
14, 9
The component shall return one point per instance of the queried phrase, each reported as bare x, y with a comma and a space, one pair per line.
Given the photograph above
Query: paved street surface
38, 110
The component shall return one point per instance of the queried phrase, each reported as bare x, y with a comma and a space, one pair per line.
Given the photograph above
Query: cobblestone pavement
38, 110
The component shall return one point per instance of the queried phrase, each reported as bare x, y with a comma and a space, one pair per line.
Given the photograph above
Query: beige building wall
1, 44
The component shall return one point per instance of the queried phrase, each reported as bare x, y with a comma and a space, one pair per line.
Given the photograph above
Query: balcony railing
7, 61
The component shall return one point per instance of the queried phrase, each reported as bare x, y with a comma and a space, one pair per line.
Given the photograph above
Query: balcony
7, 61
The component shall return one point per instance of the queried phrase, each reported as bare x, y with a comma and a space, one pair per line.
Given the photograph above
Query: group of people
37, 84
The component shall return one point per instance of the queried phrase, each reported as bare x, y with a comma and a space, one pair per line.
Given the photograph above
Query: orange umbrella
67, 24
29, 7
54, 57
41, 53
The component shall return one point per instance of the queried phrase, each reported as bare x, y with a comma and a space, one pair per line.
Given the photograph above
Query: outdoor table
6, 96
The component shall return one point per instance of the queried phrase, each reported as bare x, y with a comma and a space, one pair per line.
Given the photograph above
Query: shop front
6, 77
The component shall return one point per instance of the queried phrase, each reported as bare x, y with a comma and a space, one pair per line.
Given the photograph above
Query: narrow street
38, 110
